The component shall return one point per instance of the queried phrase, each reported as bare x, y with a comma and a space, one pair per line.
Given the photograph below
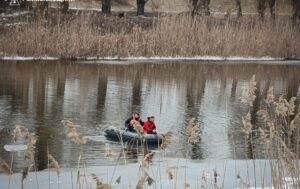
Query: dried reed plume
4, 167
277, 132
149, 156
147, 159
167, 140
143, 179
247, 125
30, 151
19, 132
72, 132
108, 151
138, 128
193, 131
270, 96
295, 123
54, 163
99, 184
250, 96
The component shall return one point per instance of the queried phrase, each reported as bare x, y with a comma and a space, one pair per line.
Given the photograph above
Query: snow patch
15, 148
28, 58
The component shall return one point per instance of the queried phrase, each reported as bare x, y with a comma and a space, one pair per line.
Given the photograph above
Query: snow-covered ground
207, 173
132, 59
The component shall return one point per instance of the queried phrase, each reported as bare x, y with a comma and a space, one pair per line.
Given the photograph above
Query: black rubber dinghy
116, 134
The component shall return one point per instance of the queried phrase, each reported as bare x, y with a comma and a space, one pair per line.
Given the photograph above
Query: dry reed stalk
170, 174
72, 132
25, 171
144, 178
108, 151
30, 151
4, 167
54, 163
147, 159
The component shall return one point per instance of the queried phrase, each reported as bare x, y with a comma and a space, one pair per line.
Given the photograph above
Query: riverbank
90, 34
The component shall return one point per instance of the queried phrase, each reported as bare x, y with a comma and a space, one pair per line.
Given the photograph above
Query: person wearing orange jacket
149, 126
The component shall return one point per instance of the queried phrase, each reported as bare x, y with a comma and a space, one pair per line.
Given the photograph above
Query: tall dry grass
178, 35
278, 133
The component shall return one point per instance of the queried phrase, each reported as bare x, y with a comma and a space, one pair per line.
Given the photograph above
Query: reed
99, 184
171, 35
279, 134
19, 132
72, 132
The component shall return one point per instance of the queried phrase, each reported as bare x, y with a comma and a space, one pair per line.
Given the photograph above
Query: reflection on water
39, 95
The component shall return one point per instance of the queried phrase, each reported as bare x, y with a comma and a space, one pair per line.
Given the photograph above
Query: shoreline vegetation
90, 34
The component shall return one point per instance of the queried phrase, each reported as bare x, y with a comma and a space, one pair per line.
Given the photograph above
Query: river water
40, 94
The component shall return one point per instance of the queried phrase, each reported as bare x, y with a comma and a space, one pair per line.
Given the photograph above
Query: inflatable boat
116, 134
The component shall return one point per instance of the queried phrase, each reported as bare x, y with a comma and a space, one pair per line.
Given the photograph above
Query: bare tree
261, 7
140, 4
239, 8
64, 6
296, 9
200, 7
106, 6
3, 4
42, 7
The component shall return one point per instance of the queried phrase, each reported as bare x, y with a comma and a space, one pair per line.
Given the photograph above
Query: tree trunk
106, 6
64, 6
140, 7
272, 8
200, 7
239, 8
26, 4
195, 7
296, 10
261, 7
42, 8
206, 7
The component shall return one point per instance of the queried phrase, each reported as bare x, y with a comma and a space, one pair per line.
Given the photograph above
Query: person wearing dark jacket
134, 118
149, 126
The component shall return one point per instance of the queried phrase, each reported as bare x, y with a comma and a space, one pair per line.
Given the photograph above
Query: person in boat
149, 126
132, 121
